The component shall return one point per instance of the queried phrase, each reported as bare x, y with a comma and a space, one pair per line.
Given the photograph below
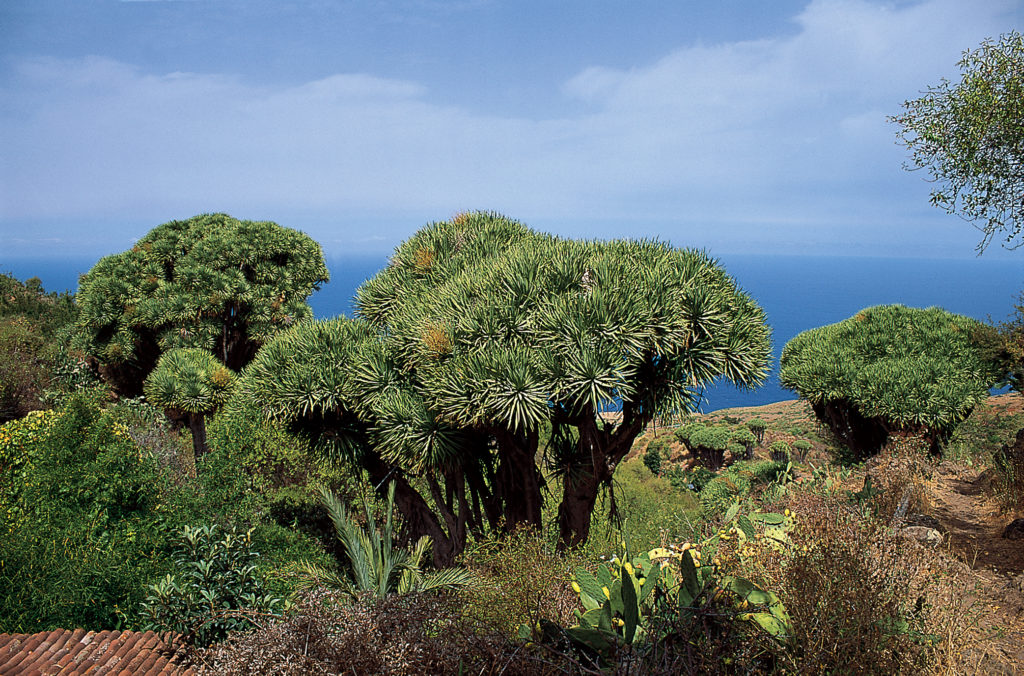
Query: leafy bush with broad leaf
675, 610
80, 525
215, 588
890, 369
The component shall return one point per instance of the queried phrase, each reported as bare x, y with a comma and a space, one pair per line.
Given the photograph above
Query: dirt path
962, 503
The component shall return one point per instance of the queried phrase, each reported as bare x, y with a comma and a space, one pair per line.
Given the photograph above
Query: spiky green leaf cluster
503, 324
372, 564
913, 368
189, 380
210, 282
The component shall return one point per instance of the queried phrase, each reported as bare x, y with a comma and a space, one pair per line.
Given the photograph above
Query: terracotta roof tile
78, 652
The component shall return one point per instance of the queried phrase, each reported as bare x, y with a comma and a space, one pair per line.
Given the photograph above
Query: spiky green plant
190, 384
210, 282
710, 445
890, 368
480, 332
372, 564
757, 427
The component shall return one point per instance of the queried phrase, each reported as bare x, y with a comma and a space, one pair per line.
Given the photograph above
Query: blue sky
737, 126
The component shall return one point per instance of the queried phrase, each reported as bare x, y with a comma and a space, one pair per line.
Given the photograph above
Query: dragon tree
890, 370
479, 333
210, 282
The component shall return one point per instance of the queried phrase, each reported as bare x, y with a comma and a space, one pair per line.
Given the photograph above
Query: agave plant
373, 565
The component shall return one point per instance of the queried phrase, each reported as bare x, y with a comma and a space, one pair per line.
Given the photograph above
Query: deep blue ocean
796, 292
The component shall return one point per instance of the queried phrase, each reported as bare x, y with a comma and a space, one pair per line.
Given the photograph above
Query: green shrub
720, 493
890, 368
693, 479
214, 584
89, 496
25, 362
757, 427
522, 578
779, 451
736, 483
651, 510
653, 457
854, 593
81, 521
801, 446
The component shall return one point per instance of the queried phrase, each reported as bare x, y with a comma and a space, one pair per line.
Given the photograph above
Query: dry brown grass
408, 635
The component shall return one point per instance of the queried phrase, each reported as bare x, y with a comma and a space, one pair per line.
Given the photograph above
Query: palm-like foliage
480, 331
210, 282
372, 564
890, 368
192, 384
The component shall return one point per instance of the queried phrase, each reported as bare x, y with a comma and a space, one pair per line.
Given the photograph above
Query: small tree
190, 384
801, 446
969, 136
779, 451
746, 439
710, 445
890, 369
757, 427
211, 282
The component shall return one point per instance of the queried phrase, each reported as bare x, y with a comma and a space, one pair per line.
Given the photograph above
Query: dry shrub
1009, 465
400, 635
901, 472
861, 597
524, 580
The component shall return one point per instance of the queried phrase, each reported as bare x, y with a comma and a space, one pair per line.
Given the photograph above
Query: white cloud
783, 130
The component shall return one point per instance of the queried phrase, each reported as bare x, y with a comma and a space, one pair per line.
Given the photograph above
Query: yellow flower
607, 594
576, 587
629, 567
